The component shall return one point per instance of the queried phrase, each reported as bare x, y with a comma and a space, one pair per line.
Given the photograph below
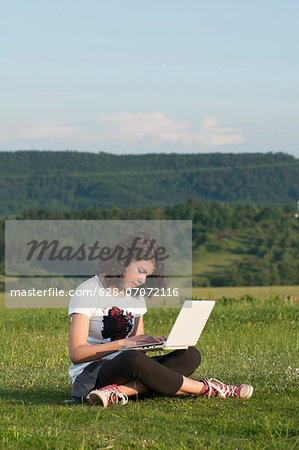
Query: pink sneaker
106, 396
215, 388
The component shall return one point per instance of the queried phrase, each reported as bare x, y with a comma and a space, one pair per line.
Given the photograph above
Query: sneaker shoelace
117, 398
224, 390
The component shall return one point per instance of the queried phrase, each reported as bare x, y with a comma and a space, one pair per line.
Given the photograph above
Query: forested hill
72, 180
233, 245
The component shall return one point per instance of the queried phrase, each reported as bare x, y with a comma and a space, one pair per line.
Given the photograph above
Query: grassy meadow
258, 292
253, 340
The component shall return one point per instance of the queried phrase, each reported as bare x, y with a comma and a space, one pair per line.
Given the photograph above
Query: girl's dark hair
113, 269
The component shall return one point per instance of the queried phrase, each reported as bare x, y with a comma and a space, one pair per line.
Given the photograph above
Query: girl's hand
140, 340
160, 338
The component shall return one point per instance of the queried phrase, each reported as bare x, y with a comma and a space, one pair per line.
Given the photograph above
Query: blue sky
150, 76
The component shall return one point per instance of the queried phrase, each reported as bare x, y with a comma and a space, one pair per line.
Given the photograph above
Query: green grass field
205, 293
258, 292
207, 264
211, 264
246, 340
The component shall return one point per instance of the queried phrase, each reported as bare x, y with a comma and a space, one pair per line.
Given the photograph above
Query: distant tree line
265, 238
71, 181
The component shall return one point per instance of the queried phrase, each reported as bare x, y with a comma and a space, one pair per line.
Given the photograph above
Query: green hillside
64, 181
237, 245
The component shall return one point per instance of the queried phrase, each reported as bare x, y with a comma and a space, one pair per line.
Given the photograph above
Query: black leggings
161, 374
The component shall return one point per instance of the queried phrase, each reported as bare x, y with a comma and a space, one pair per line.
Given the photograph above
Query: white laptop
186, 329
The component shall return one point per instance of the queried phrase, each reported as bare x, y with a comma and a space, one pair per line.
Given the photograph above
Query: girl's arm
139, 328
80, 352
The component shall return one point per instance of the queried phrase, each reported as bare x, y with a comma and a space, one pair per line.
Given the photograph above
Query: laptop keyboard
146, 346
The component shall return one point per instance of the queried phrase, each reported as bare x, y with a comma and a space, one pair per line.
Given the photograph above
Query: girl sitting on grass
112, 318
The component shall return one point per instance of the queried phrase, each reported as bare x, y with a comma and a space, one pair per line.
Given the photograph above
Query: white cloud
127, 127
130, 127
123, 130
211, 134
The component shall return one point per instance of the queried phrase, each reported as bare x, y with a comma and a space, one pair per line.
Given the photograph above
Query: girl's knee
133, 357
194, 355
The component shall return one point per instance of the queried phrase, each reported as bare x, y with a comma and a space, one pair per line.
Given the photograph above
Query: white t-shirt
111, 317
